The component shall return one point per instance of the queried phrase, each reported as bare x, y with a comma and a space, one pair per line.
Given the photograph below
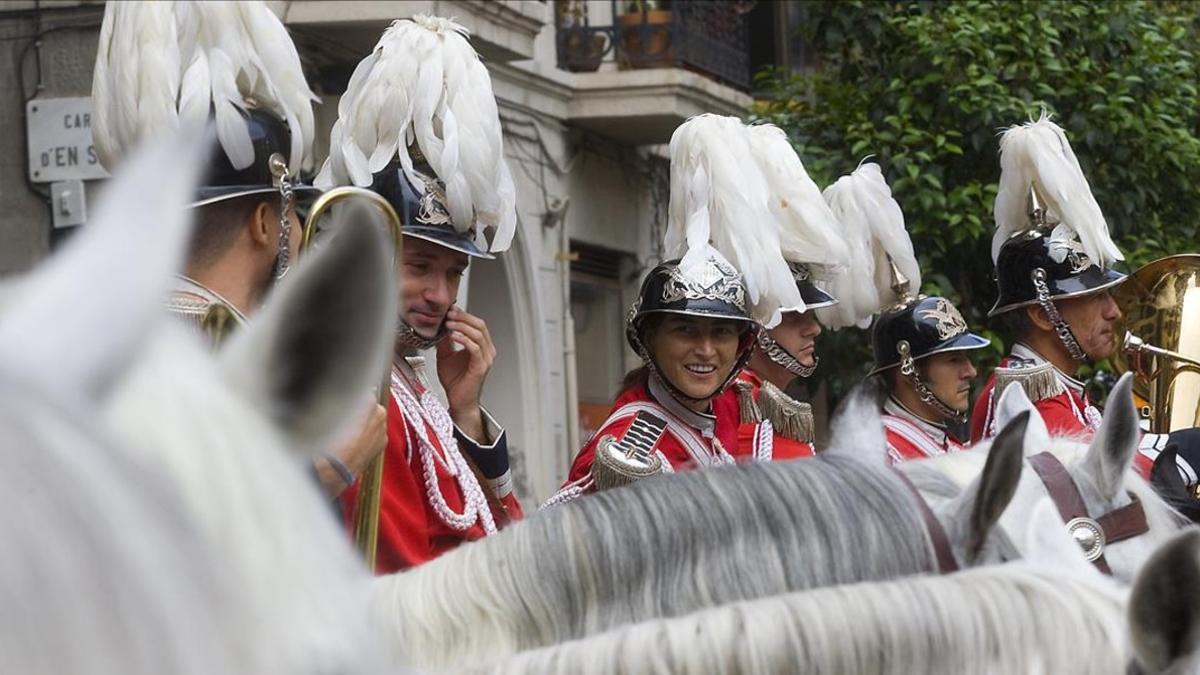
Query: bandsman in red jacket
676, 412
811, 244
922, 352
446, 477
1053, 257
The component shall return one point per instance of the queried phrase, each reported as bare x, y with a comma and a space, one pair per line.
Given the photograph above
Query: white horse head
969, 516
102, 571
1101, 470
235, 438
1164, 609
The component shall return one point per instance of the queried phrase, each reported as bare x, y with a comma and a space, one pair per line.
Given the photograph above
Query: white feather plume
424, 83
874, 228
1038, 152
809, 232
160, 62
719, 198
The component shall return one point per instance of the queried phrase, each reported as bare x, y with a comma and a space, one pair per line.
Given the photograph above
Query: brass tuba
1158, 339
366, 507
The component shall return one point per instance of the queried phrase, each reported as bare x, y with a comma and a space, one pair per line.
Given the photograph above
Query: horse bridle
1092, 535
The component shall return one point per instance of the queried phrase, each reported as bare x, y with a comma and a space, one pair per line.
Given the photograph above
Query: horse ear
322, 340
78, 320
1013, 402
971, 516
1111, 452
857, 428
1164, 605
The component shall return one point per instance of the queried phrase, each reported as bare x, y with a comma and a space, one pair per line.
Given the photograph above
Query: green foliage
925, 87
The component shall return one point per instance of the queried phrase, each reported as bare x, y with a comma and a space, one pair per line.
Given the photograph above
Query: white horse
667, 546
102, 571
232, 439
1102, 470
234, 436
1050, 614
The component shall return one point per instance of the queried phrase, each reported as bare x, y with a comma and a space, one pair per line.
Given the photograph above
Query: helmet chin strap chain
283, 257
1060, 325
409, 339
783, 357
908, 368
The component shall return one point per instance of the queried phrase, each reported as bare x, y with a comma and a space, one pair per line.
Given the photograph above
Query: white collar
933, 429
1024, 351
704, 423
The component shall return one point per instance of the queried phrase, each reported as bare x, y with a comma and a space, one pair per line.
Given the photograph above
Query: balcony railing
706, 37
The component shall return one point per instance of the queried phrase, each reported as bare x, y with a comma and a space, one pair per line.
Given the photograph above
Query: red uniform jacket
910, 437
411, 530
749, 440
689, 440
1068, 413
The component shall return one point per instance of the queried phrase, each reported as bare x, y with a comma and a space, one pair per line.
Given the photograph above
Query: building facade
589, 92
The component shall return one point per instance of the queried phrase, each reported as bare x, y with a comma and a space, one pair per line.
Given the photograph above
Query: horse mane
94, 548
1000, 619
659, 548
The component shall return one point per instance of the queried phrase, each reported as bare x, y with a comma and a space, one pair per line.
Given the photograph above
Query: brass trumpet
366, 507
1159, 340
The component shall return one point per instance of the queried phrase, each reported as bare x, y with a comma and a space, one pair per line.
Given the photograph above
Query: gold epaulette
789, 417
1039, 380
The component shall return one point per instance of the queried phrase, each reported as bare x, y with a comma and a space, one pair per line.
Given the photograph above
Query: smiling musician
691, 328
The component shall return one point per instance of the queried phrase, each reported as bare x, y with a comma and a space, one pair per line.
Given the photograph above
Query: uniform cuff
492, 459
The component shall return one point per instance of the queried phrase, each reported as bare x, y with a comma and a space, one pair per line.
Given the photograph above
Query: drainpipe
570, 376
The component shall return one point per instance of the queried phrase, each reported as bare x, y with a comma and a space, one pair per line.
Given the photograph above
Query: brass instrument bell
1158, 339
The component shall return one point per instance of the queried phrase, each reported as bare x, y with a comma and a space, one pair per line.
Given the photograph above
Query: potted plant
580, 48
645, 30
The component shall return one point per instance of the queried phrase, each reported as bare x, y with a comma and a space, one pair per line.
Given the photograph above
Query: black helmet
814, 297
1054, 255
928, 325
1046, 263
272, 141
716, 291
423, 215
918, 328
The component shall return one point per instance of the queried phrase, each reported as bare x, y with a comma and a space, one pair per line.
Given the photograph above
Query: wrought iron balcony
707, 37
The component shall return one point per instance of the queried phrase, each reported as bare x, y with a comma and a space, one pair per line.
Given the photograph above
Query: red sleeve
404, 528
1059, 417
512, 509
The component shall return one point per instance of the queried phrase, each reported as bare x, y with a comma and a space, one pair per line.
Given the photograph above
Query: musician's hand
462, 373
368, 441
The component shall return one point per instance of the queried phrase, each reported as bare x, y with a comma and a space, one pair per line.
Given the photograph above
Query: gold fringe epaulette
790, 418
746, 404
1039, 380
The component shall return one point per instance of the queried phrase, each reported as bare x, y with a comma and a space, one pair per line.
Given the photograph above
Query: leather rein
937, 534
1092, 535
